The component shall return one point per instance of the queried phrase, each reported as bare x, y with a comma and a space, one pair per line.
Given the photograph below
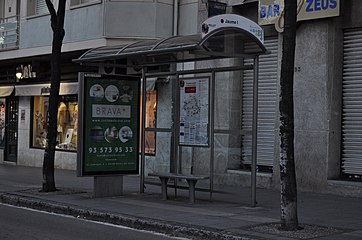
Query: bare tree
57, 25
289, 214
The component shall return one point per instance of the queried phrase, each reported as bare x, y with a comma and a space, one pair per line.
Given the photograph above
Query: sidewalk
227, 216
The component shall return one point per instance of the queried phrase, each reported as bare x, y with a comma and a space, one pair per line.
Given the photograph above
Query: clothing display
67, 119
62, 114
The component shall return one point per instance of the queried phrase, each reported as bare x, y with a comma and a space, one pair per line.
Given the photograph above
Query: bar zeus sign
109, 132
271, 11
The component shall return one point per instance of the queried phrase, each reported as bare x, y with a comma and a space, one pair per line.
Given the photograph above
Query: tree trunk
289, 216
57, 24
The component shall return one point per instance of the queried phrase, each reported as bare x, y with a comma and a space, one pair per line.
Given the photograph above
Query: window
151, 103
2, 8
37, 7
80, 2
67, 122
41, 7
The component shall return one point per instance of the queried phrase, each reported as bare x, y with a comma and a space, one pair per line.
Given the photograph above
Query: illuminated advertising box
109, 125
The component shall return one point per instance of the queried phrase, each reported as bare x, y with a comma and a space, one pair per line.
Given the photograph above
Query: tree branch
61, 16
53, 14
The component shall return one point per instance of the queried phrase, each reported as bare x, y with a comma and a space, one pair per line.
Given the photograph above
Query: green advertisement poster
110, 124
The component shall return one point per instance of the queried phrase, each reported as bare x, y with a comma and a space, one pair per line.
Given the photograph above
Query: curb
169, 228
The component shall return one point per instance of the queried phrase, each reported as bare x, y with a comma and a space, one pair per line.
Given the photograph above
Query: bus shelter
219, 48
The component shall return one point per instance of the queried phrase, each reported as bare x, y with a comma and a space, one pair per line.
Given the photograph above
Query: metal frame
177, 150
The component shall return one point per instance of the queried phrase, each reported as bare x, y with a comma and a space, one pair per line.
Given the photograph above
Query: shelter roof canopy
224, 42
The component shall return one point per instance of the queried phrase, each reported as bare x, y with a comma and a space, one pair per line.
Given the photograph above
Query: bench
191, 180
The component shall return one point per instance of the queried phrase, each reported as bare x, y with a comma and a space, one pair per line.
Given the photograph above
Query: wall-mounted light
19, 74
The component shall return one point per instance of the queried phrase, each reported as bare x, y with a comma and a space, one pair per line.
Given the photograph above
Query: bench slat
179, 176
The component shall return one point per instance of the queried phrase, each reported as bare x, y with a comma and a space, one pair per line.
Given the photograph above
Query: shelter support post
143, 127
254, 132
175, 120
212, 125
176, 152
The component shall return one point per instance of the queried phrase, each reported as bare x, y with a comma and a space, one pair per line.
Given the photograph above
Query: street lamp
18, 73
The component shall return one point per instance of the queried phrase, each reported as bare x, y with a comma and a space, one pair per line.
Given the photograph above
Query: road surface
22, 223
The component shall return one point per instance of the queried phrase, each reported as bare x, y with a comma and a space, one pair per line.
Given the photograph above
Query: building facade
328, 89
25, 48
327, 103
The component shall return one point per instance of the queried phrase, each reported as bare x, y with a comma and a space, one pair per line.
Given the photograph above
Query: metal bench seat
191, 180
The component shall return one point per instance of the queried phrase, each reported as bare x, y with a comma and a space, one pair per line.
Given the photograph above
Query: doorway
11, 129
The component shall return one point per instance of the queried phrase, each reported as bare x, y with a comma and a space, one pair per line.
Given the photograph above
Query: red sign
190, 89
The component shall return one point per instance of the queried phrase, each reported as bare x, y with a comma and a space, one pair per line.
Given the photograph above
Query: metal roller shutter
352, 103
268, 67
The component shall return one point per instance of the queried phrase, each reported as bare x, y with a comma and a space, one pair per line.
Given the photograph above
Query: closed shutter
41, 7
352, 103
268, 66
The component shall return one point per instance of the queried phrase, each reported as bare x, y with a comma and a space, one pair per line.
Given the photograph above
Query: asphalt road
21, 223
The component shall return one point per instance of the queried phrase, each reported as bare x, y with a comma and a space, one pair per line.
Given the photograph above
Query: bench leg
164, 181
192, 184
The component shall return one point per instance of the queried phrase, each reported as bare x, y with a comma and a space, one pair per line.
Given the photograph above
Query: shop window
2, 122
151, 103
67, 122
80, 2
37, 7
41, 7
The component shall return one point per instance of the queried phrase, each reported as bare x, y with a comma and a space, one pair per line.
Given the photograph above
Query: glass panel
79, 2
161, 161
180, 42
103, 51
228, 151
41, 105
141, 46
150, 144
231, 42
151, 104
164, 104
227, 125
171, 44
67, 122
227, 101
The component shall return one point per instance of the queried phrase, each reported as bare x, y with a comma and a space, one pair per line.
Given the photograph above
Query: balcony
93, 24
9, 33
100, 22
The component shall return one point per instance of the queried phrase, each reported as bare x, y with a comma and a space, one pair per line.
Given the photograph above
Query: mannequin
75, 117
62, 120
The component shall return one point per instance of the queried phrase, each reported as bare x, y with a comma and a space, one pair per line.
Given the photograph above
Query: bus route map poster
110, 124
194, 112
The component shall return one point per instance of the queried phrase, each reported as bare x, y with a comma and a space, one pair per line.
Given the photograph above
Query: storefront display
67, 122
2, 122
151, 103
